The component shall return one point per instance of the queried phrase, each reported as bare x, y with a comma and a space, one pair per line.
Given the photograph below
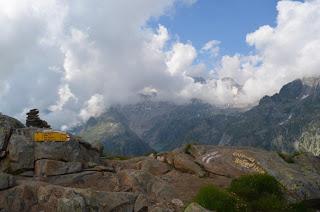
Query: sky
74, 59
228, 21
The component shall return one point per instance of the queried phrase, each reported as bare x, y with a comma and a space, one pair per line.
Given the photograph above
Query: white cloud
64, 96
160, 38
189, 2
288, 50
94, 107
180, 58
212, 47
283, 53
92, 46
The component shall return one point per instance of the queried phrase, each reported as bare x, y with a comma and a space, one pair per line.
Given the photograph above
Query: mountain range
286, 122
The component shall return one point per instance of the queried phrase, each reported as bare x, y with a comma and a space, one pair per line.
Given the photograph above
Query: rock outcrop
46, 158
6, 181
194, 207
7, 123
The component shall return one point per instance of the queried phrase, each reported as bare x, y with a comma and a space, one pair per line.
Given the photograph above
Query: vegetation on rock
214, 198
256, 192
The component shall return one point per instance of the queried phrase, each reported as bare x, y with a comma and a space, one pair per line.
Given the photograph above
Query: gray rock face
23, 154
76, 204
195, 207
145, 184
6, 123
141, 204
37, 197
47, 167
302, 181
186, 163
140, 181
71, 151
154, 167
6, 181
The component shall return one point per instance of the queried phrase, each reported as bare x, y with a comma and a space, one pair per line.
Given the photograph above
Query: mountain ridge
285, 121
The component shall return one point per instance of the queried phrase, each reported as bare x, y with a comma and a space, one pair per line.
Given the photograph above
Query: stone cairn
33, 120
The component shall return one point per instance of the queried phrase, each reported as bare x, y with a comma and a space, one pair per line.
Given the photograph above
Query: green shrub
213, 198
187, 148
255, 186
300, 207
249, 193
268, 202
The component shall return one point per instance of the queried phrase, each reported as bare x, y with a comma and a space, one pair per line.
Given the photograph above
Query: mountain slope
287, 121
189, 123
278, 122
117, 138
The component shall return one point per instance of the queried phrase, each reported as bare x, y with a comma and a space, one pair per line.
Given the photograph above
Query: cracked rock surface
72, 176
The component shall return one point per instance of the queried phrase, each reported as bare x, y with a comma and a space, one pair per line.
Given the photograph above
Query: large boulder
195, 207
24, 153
146, 183
6, 123
185, 162
71, 151
301, 179
6, 181
36, 196
20, 155
153, 166
47, 167
75, 204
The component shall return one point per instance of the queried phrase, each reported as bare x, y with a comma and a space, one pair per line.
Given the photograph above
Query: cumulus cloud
287, 51
64, 96
212, 47
282, 53
93, 107
75, 58
180, 58
56, 55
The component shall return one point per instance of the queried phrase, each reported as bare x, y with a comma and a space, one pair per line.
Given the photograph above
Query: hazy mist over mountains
77, 64
285, 122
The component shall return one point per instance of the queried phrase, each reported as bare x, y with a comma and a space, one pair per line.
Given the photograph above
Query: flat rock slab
36, 196
6, 181
194, 207
71, 151
47, 167
301, 182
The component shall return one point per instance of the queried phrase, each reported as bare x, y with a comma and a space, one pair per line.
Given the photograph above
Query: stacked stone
33, 120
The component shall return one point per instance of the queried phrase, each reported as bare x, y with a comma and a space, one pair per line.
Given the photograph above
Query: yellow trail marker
51, 136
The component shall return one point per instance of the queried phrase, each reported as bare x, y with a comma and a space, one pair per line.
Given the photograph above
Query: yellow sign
51, 136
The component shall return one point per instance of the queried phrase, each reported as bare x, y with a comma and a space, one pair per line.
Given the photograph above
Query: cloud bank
72, 59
